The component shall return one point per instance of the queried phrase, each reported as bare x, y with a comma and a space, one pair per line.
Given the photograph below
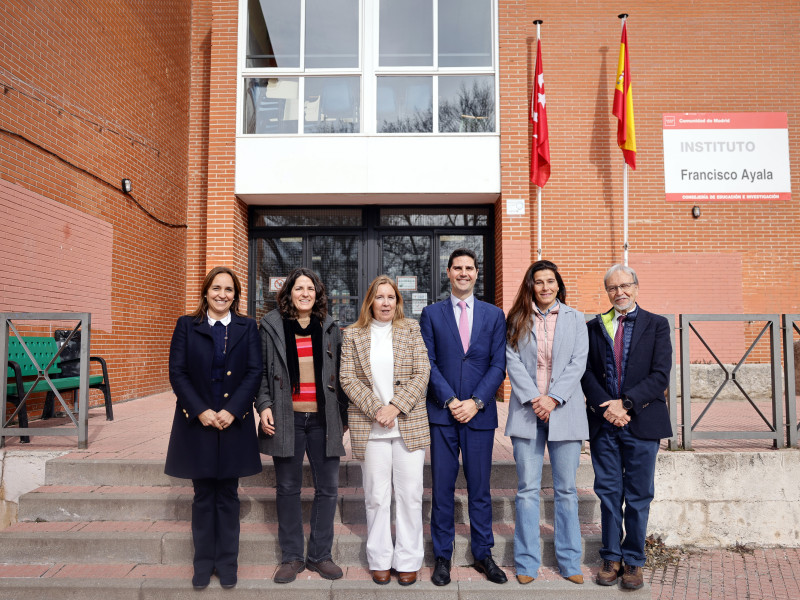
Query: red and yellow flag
540, 144
623, 103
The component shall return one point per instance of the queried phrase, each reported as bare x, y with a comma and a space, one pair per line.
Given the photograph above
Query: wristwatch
478, 403
627, 403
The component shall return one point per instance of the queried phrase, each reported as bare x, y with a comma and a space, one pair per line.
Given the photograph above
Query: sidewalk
141, 431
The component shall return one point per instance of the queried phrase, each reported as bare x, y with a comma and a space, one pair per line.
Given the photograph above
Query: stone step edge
116, 492
68, 469
588, 532
145, 588
174, 548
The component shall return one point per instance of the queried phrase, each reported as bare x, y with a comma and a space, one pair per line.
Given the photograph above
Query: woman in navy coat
215, 370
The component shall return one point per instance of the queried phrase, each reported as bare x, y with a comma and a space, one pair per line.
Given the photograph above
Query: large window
307, 55
369, 66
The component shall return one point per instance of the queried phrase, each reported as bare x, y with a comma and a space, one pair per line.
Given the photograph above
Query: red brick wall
223, 241
199, 126
685, 57
92, 93
47, 241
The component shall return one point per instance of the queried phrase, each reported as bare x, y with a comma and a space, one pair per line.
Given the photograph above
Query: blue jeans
309, 438
624, 469
564, 459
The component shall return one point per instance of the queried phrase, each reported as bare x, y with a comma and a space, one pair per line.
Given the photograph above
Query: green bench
43, 349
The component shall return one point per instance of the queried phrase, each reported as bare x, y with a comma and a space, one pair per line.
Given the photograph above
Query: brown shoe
525, 579
288, 571
609, 573
406, 578
326, 568
632, 578
381, 577
575, 578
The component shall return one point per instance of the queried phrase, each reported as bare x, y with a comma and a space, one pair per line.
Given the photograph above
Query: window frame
368, 70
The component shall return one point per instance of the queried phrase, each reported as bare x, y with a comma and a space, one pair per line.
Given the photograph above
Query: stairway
115, 529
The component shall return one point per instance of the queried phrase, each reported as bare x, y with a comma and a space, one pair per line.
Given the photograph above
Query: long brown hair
285, 306
520, 317
365, 316
202, 306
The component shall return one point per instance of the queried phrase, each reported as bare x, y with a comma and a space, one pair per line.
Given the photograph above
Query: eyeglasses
623, 287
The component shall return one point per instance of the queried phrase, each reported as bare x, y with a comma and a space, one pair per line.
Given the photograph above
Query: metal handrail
82, 424
772, 326
790, 325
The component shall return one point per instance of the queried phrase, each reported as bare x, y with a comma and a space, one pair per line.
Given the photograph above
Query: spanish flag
623, 103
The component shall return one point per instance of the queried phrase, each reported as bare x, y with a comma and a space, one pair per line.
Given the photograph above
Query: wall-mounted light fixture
127, 186
695, 212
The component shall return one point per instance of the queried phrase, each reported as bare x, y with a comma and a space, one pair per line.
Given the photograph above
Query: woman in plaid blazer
384, 372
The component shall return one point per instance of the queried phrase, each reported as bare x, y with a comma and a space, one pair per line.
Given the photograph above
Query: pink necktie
619, 343
463, 325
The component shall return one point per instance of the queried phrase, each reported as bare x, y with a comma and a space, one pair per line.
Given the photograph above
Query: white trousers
387, 461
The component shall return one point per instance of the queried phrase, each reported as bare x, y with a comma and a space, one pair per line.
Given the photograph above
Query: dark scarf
292, 327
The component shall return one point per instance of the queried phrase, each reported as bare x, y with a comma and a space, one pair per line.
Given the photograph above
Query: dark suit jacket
196, 451
646, 376
477, 373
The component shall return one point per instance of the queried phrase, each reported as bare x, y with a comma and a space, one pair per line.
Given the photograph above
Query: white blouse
381, 360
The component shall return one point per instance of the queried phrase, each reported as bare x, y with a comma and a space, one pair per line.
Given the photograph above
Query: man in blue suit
466, 346
630, 357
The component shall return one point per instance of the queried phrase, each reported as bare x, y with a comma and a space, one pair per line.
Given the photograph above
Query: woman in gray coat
546, 351
303, 412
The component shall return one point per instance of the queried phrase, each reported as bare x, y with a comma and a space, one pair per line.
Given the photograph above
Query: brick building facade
153, 93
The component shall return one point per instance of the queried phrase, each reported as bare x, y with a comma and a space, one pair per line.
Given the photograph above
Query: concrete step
140, 503
73, 471
170, 543
136, 587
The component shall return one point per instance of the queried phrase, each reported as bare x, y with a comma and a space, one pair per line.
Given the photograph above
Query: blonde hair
365, 317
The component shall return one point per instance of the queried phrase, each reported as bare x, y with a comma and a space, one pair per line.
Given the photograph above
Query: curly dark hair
285, 306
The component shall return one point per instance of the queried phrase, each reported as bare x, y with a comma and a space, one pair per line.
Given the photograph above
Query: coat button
331, 388
229, 373
225, 395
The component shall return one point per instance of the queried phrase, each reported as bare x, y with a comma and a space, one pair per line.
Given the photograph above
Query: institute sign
723, 157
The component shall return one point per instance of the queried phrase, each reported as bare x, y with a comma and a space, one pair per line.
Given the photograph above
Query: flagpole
623, 17
625, 210
538, 23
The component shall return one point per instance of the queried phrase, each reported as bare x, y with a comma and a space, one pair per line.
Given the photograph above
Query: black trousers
215, 525
309, 439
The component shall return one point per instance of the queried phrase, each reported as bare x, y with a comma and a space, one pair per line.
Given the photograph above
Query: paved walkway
141, 431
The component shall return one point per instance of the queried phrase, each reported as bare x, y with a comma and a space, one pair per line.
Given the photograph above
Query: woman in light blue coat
546, 351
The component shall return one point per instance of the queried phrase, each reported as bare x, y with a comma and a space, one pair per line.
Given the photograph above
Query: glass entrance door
335, 258
407, 260
349, 247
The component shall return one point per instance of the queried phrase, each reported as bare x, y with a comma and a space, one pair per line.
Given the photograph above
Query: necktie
463, 325
619, 342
